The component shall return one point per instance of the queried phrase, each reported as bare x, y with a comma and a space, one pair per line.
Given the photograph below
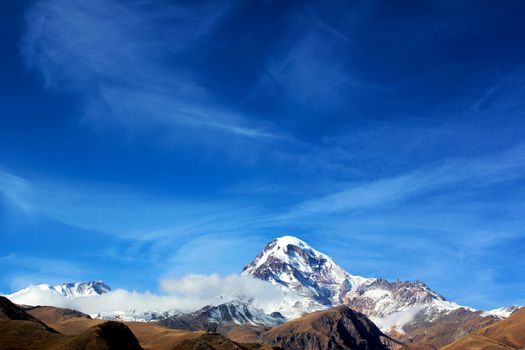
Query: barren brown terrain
444, 330
150, 335
20, 330
52, 328
505, 334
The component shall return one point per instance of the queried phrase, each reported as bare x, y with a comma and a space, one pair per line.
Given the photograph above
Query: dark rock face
336, 328
190, 322
278, 315
101, 287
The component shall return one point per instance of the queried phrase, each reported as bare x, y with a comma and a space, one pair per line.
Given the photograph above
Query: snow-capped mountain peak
296, 253
291, 263
311, 280
69, 290
82, 289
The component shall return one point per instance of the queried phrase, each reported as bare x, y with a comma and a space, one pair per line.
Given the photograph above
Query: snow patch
501, 312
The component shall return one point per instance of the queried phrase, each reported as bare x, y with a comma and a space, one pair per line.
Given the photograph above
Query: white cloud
208, 287
184, 294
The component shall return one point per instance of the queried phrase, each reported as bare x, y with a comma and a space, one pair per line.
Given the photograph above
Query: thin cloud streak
112, 210
120, 57
478, 172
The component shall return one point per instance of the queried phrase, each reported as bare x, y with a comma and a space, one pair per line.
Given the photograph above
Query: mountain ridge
222, 316
69, 290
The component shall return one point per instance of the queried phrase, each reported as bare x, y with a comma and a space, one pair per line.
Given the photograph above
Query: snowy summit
311, 280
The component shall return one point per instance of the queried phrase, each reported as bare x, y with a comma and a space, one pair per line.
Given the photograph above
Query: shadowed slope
18, 335
335, 328
19, 330
12, 312
108, 335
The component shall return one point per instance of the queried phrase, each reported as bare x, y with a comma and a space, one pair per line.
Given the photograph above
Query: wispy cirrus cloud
119, 59
132, 213
115, 210
476, 172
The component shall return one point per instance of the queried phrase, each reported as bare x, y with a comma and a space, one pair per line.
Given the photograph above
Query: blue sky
146, 139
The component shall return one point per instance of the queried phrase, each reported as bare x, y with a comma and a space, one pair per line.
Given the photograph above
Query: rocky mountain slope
291, 263
335, 328
445, 329
310, 280
221, 317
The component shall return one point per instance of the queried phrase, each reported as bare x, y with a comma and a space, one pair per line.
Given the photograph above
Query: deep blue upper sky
144, 139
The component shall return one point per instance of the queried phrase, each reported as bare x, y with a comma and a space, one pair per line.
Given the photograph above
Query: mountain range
310, 282
68, 290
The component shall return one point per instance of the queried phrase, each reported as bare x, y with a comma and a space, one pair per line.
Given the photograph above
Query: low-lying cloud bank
185, 294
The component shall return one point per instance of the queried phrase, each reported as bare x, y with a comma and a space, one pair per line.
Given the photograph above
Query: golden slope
506, 334
444, 330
